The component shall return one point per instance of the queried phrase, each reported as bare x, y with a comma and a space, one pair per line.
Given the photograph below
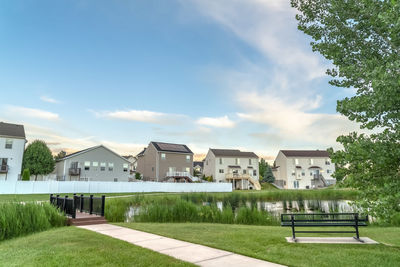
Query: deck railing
87, 204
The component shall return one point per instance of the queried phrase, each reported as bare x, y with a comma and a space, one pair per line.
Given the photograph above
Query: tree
26, 176
362, 40
38, 159
138, 176
262, 165
268, 177
60, 155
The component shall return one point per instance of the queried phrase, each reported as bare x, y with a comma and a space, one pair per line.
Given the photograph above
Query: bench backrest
323, 217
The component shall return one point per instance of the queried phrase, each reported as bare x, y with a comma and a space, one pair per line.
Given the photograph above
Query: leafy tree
26, 175
262, 165
60, 155
362, 39
138, 176
38, 159
268, 176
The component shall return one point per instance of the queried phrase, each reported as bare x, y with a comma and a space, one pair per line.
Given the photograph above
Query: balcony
74, 171
179, 177
234, 176
3, 168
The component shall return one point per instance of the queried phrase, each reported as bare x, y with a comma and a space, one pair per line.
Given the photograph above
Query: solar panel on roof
172, 147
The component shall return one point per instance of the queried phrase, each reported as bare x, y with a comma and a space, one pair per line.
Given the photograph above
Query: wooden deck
83, 218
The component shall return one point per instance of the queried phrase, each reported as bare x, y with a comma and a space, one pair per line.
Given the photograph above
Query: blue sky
208, 73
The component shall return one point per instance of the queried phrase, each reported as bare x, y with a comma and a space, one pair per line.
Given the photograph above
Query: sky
206, 73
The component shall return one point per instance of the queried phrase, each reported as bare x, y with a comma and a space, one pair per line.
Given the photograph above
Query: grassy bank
21, 219
268, 243
71, 246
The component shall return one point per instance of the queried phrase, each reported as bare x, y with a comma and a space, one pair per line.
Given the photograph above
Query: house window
87, 165
328, 171
244, 171
311, 173
295, 184
311, 161
303, 173
125, 166
296, 161
115, 179
163, 156
102, 166
254, 173
293, 173
187, 158
152, 169
9, 143
221, 170
110, 166
327, 162
187, 169
249, 161
95, 164
237, 161
220, 160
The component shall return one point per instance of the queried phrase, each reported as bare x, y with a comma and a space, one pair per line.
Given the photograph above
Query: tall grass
17, 219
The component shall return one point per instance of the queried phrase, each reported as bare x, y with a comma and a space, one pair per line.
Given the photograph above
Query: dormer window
9, 143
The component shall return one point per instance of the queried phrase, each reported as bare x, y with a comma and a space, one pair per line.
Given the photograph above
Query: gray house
93, 164
165, 162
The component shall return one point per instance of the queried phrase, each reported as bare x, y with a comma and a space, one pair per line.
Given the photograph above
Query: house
12, 147
165, 162
97, 163
303, 169
133, 163
198, 167
233, 166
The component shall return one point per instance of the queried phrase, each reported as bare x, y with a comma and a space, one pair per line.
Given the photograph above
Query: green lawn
268, 243
71, 246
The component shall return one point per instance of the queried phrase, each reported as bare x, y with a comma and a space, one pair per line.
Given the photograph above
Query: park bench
353, 220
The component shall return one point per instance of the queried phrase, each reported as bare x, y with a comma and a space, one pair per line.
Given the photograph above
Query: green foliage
362, 39
138, 176
26, 175
17, 219
268, 176
262, 165
60, 155
38, 158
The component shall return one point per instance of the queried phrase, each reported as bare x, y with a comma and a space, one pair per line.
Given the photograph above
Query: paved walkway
197, 254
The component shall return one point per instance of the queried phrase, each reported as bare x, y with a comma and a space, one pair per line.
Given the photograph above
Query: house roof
168, 147
90, 149
198, 163
141, 153
232, 153
12, 130
305, 153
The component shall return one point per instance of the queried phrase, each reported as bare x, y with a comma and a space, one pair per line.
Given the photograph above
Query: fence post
91, 204
74, 207
81, 202
65, 204
51, 198
293, 231
103, 201
356, 217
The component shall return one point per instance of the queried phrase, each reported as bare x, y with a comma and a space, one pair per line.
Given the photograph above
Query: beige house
165, 162
303, 169
233, 166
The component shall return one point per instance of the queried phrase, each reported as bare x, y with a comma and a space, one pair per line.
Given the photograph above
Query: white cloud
49, 99
142, 116
32, 113
219, 122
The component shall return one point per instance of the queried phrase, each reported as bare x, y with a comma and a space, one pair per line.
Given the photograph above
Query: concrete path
197, 254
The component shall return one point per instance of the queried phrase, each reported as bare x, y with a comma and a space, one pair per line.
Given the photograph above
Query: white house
12, 147
93, 164
303, 169
233, 166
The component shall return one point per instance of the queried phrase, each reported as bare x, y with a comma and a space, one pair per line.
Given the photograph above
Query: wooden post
293, 231
91, 204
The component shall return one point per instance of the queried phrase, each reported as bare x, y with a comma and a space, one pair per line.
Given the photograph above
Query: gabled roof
141, 153
168, 147
198, 163
305, 153
12, 130
90, 149
232, 153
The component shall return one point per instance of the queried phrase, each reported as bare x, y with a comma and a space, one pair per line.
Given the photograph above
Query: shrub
26, 175
17, 219
138, 176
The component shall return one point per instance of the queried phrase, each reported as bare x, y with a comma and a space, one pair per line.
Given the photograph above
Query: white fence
49, 187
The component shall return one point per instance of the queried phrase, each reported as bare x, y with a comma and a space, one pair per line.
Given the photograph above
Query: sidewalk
185, 251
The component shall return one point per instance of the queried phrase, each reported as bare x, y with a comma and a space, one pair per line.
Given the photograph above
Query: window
249, 161
125, 166
237, 161
163, 156
74, 165
311, 173
244, 171
293, 173
187, 158
87, 165
295, 184
9, 143
3, 165
303, 173
254, 173
115, 179
102, 166
328, 171
311, 161
110, 166
220, 160
296, 161
95, 164
327, 162
152, 169
187, 169
221, 170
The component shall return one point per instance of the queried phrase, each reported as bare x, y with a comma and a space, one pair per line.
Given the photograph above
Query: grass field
268, 243
71, 246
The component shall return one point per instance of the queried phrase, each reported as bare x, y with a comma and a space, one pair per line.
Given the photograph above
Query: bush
17, 219
26, 175
138, 176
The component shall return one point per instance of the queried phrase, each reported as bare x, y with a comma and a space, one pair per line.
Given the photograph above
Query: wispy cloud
219, 122
141, 116
32, 113
49, 99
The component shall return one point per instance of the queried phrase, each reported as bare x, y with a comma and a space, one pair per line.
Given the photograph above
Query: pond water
276, 208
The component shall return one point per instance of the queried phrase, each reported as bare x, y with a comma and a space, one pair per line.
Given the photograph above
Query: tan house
165, 162
303, 169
